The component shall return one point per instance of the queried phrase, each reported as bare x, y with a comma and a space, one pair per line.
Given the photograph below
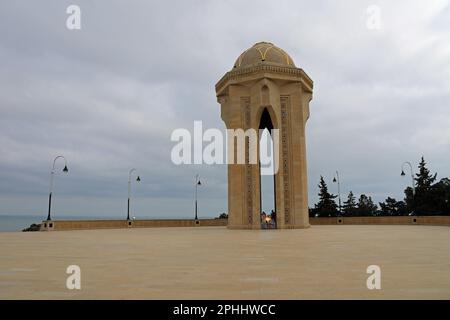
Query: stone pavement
322, 262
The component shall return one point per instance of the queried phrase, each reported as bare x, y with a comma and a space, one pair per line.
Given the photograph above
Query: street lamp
412, 181
65, 170
138, 179
197, 183
336, 179
412, 175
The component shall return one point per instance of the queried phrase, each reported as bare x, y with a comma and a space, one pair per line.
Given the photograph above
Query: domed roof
264, 52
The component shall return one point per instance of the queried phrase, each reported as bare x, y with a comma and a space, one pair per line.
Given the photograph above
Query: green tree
326, 207
349, 207
366, 206
429, 198
423, 201
440, 197
223, 216
409, 199
424, 179
392, 207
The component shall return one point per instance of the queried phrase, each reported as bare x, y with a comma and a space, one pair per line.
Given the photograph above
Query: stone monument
266, 90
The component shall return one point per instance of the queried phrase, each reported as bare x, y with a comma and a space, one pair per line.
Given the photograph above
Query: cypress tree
326, 207
349, 207
423, 200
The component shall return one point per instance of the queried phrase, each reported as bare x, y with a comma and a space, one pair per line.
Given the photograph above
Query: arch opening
267, 180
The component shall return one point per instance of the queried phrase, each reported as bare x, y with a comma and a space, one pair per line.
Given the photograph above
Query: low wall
59, 225
398, 220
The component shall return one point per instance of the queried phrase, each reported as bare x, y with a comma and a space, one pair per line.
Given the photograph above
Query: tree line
427, 198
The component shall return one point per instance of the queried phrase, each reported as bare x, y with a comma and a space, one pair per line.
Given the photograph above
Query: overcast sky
108, 96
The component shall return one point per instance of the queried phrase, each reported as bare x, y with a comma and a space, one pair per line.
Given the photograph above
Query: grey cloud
108, 96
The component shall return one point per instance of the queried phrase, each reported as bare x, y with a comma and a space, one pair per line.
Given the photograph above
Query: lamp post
197, 183
336, 179
138, 179
412, 181
412, 175
52, 173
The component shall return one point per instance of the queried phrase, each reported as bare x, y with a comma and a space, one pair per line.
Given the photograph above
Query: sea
11, 223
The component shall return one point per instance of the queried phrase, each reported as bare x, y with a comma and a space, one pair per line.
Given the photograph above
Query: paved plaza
322, 262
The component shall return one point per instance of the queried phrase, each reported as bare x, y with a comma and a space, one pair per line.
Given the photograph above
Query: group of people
269, 221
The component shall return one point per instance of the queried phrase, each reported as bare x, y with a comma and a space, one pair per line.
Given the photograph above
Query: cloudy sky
108, 96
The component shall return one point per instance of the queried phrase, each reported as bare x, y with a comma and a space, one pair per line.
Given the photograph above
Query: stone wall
401, 220
60, 225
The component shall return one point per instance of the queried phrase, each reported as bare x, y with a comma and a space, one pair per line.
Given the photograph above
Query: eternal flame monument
266, 90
